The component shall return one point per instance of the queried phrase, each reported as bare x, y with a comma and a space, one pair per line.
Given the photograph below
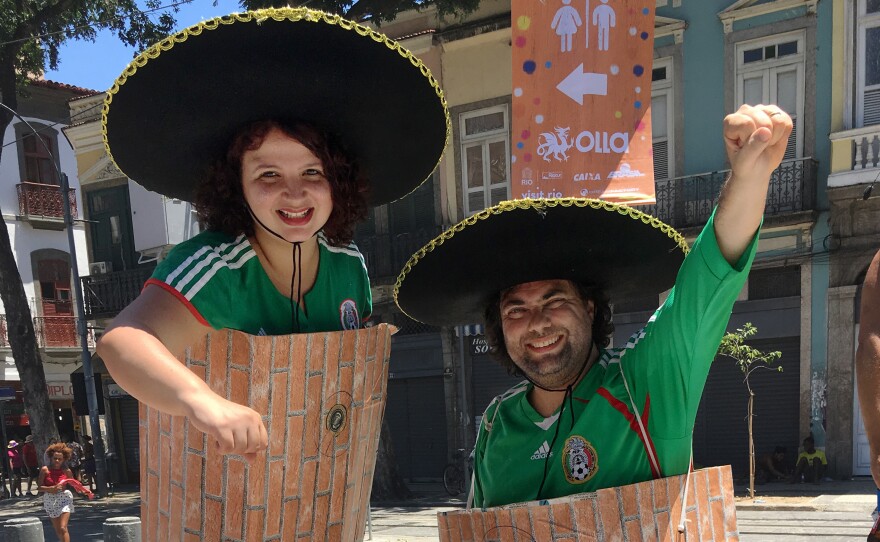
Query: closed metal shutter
128, 415
416, 407
721, 431
416, 417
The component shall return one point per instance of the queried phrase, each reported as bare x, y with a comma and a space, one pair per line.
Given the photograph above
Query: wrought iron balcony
42, 204
686, 202
107, 294
52, 332
386, 254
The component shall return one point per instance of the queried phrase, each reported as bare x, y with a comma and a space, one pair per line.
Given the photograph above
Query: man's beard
556, 372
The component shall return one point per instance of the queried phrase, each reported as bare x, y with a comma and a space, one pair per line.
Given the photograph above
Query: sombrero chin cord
567, 397
295, 278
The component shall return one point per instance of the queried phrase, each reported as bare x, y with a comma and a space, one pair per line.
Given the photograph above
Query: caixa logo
558, 143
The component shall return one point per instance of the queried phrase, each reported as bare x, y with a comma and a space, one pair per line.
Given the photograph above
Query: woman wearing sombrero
282, 125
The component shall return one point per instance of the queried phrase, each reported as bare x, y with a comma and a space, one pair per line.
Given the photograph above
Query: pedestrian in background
57, 499
16, 467
31, 464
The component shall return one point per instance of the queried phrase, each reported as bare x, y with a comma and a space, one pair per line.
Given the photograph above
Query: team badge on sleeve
348, 315
579, 460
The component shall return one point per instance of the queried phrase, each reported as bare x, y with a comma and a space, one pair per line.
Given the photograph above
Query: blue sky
95, 65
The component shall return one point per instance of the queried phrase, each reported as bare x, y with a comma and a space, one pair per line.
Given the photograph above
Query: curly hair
220, 198
602, 325
58, 447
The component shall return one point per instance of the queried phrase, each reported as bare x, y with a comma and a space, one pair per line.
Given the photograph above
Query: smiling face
547, 330
285, 186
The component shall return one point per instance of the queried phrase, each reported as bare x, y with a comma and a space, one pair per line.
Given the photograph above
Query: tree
31, 32
749, 360
376, 11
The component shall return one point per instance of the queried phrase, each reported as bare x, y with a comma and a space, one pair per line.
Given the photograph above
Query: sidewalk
414, 520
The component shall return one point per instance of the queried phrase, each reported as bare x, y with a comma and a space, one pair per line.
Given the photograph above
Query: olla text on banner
581, 99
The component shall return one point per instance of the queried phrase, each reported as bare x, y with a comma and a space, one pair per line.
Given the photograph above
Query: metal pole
91, 395
466, 438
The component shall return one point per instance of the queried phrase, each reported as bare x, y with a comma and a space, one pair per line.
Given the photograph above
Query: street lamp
82, 331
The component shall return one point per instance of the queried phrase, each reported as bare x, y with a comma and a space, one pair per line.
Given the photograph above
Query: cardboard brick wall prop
322, 397
647, 511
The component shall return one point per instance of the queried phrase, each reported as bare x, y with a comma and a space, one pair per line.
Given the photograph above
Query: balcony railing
51, 331
685, 202
107, 294
44, 201
386, 254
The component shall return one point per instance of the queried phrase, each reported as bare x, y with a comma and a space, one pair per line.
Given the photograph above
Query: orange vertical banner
582, 99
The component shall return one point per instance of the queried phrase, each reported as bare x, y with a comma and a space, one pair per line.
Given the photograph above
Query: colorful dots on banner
617, 114
525, 134
632, 31
539, 119
615, 69
536, 101
638, 90
640, 126
529, 66
644, 35
638, 70
645, 11
512, 158
527, 157
520, 145
548, 64
520, 41
523, 22
638, 104
517, 92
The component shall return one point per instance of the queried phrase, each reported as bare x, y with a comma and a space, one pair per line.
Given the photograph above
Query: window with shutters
771, 70
662, 119
485, 158
37, 152
868, 63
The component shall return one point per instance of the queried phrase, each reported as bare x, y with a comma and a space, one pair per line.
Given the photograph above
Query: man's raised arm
755, 138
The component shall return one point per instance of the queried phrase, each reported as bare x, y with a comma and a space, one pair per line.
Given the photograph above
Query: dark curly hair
602, 325
220, 199
56, 448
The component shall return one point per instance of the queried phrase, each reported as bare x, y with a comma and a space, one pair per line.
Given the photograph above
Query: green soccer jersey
599, 442
221, 281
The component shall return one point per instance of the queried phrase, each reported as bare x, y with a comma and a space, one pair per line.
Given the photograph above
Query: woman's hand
237, 429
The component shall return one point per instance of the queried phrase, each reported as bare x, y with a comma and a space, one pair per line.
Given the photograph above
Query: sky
95, 65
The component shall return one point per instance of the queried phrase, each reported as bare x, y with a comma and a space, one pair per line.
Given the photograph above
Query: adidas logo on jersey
542, 452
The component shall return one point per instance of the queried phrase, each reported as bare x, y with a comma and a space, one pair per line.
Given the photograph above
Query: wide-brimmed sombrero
449, 281
176, 107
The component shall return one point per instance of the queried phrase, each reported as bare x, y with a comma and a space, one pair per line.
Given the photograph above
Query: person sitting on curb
811, 463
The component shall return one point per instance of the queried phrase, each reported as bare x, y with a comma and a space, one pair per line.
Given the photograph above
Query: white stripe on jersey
169, 280
196, 288
350, 250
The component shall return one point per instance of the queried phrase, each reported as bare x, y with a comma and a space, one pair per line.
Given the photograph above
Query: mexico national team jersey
599, 442
221, 281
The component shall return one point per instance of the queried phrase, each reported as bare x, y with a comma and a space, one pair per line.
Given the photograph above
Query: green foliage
748, 359
31, 31
376, 11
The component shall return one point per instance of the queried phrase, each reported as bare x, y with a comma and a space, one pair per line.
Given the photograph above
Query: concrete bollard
29, 529
122, 529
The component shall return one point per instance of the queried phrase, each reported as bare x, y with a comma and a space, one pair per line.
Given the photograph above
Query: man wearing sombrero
541, 271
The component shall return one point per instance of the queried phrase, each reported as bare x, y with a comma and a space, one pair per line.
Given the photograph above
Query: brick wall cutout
322, 398
647, 511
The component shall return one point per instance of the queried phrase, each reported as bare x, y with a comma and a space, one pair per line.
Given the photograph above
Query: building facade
709, 58
33, 215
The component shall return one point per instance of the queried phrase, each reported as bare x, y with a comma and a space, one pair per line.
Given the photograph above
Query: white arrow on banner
578, 84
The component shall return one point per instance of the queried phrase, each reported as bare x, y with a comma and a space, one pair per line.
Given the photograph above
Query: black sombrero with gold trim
177, 105
449, 281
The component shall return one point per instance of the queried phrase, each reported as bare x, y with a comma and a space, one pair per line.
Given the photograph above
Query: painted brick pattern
648, 511
313, 483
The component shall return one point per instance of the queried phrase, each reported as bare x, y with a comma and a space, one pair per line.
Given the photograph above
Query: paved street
834, 512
